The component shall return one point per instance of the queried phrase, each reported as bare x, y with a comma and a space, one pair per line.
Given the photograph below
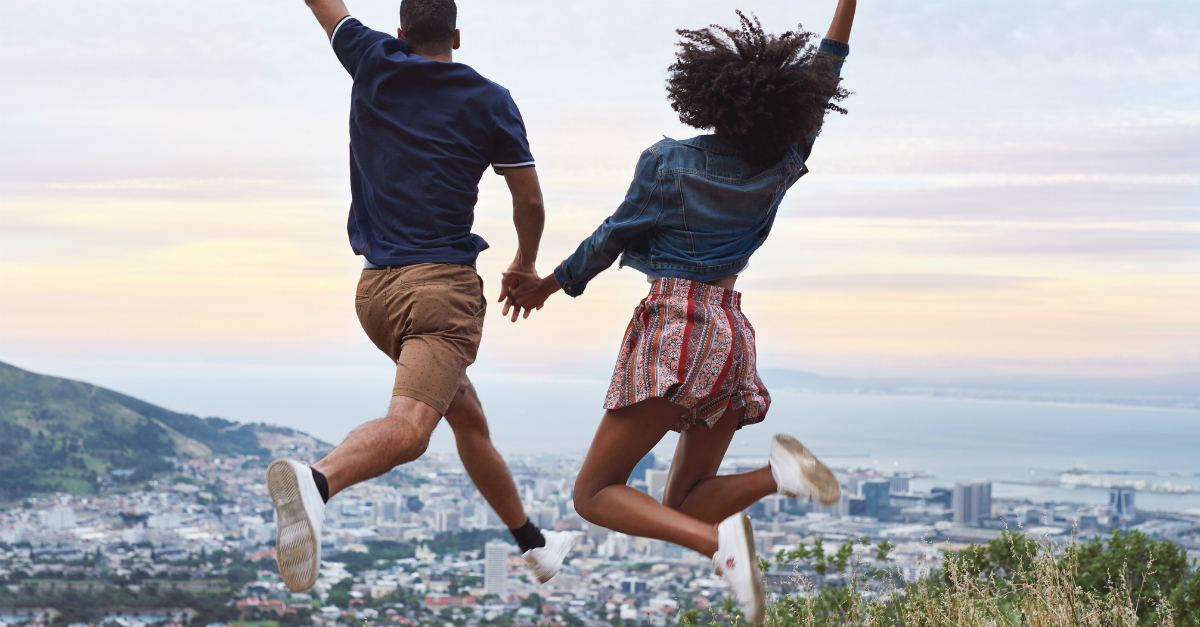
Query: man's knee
414, 421
474, 433
467, 420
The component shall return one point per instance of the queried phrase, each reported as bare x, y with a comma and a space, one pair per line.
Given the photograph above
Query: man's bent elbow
532, 206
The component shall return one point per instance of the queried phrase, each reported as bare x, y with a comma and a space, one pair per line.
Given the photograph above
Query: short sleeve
351, 40
510, 146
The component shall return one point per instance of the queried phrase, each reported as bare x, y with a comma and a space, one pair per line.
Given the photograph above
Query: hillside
63, 435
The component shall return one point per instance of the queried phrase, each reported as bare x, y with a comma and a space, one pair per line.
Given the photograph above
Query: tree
1149, 569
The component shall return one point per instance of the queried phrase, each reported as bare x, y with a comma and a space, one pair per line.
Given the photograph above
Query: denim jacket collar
712, 143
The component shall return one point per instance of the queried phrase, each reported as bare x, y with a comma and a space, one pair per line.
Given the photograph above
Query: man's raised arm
843, 19
328, 13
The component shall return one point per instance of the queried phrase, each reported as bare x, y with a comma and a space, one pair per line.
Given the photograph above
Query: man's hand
328, 13
510, 280
526, 291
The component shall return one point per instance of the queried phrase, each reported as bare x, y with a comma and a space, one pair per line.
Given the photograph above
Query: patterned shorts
689, 343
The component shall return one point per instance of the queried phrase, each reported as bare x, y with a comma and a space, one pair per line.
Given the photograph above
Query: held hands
522, 289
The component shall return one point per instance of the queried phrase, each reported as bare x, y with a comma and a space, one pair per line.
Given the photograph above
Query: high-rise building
493, 519
411, 502
836, 510
877, 494
61, 518
900, 485
543, 517
656, 483
972, 503
941, 496
386, 511
633, 585
1121, 500
495, 575
639, 470
446, 520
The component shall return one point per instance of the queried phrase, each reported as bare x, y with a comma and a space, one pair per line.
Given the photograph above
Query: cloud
889, 283
1014, 179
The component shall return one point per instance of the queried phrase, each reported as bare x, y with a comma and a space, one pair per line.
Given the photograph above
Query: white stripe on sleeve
336, 28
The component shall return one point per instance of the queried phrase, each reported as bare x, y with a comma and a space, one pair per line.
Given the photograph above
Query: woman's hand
525, 290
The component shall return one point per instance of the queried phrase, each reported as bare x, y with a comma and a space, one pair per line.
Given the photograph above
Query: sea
943, 440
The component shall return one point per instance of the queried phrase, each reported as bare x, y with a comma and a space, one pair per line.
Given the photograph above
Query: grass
1013, 581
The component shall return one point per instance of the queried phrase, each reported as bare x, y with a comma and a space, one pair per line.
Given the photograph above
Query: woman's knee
584, 496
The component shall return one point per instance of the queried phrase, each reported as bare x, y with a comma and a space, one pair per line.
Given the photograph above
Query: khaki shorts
428, 318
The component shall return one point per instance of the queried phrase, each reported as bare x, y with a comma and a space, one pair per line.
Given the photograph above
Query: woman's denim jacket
695, 210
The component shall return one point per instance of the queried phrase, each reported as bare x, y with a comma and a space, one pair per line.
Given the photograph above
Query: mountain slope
63, 435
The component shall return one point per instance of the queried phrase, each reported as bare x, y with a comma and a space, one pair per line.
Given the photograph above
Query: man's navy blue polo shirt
422, 133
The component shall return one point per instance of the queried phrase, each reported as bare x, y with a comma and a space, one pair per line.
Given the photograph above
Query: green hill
63, 435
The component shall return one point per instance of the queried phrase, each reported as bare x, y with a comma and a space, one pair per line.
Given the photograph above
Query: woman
695, 213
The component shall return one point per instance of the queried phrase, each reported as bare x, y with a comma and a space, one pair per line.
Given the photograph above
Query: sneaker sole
543, 577
760, 593
295, 543
816, 472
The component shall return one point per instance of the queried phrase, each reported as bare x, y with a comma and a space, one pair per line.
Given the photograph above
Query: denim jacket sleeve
636, 215
838, 51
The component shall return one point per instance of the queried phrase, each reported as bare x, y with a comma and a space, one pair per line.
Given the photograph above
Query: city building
1120, 500
447, 520
878, 496
837, 510
633, 585
495, 574
656, 483
972, 503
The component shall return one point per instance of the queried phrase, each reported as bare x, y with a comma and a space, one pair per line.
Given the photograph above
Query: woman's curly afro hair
761, 91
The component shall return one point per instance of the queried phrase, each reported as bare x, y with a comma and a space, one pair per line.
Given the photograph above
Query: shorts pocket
367, 282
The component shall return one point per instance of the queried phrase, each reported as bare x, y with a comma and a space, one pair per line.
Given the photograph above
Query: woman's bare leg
693, 486
601, 496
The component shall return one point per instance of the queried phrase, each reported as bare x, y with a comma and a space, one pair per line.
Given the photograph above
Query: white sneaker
736, 562
299, 514
545, 561
799, 473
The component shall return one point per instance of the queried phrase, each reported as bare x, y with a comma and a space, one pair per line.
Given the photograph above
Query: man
422, 131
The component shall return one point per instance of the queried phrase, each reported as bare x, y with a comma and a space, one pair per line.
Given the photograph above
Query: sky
1015, 190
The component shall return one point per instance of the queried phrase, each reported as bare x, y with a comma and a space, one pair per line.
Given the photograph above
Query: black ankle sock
528, 536
322, 484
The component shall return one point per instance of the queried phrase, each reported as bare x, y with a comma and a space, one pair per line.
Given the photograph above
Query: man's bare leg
481, 460
380, 445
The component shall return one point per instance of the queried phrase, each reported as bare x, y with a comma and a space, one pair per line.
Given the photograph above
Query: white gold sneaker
736, 562
545, 561
299, 514
798, 473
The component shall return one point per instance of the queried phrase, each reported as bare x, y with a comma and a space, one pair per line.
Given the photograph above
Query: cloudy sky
1015, 190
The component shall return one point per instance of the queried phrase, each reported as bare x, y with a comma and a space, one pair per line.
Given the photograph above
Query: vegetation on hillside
63, 435
1126, 580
